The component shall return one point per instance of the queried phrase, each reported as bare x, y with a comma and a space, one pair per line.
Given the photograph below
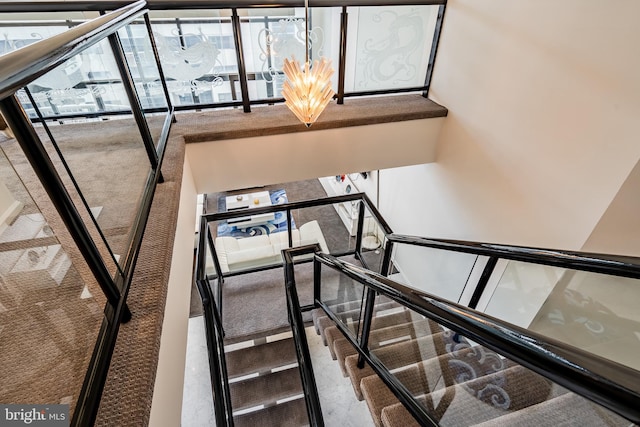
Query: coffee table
249, 201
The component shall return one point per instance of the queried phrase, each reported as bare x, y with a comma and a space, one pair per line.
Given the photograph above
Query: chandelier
307, 90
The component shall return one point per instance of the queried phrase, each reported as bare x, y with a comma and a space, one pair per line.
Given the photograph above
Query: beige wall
166, 407
618, 231
247, 162
544, 100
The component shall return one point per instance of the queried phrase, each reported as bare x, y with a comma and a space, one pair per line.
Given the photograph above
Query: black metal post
360, 228
366, 324
344, 18
35, 152
163, 79
434, 49
317, 277
216, 263
385, 268
482, 282
136, 108
307, 377
289, 231
242, 72
217, 378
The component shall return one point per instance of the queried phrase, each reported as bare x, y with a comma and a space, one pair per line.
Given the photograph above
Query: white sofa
256, 251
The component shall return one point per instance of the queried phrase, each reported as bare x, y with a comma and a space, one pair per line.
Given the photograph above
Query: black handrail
217, 363
220, 216
20, 67
287, 207
299, 336
71, 5
603, 381
626, 266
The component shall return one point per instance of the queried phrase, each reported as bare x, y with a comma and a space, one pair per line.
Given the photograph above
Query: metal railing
20, 68
244, 75
305, 366
288, 208
600, 380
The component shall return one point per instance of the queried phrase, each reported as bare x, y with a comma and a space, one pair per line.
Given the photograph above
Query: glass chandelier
307, 90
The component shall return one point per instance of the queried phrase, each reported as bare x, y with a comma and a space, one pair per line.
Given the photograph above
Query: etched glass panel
146, 76
198, 58
268, 40
391, 47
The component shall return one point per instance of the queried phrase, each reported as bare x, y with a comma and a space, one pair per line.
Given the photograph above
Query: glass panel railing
197, 54
372, 246
270, 36
343, 296
51, 308
445, 376
438, 272
458, 382
594, 312
390, 46
106, 158
138, 51
86, 84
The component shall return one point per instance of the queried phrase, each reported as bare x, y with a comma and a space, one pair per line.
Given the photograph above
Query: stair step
478, 400
265, 389
418, 379
393, 357
568, 409
322, 321
292, 413
261, 358
378, 338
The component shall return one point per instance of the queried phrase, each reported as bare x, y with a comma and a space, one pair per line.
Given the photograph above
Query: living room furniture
252, 200
238, 254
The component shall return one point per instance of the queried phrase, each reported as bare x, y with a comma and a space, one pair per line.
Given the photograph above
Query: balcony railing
69, 252
231, 55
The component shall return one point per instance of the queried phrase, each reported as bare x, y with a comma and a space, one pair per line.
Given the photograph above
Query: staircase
264, 382
457, 382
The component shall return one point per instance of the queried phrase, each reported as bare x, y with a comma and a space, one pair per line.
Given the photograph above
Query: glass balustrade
594, 312
387, 48
51, 308
390, 46
140, 58
438, 272
198, 55
105, 157
451, 378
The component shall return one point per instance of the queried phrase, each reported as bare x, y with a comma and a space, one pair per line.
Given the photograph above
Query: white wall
166, 407
248, 162
618, 231
544, 100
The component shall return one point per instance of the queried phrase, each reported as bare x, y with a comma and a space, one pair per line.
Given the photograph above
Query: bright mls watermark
34, 415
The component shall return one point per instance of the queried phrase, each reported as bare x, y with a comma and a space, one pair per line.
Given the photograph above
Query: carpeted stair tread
261, 358
356, 374
292, 413
378, 396
393, 357
480, 399
265, 389
322, 321
566, 410
340, 348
